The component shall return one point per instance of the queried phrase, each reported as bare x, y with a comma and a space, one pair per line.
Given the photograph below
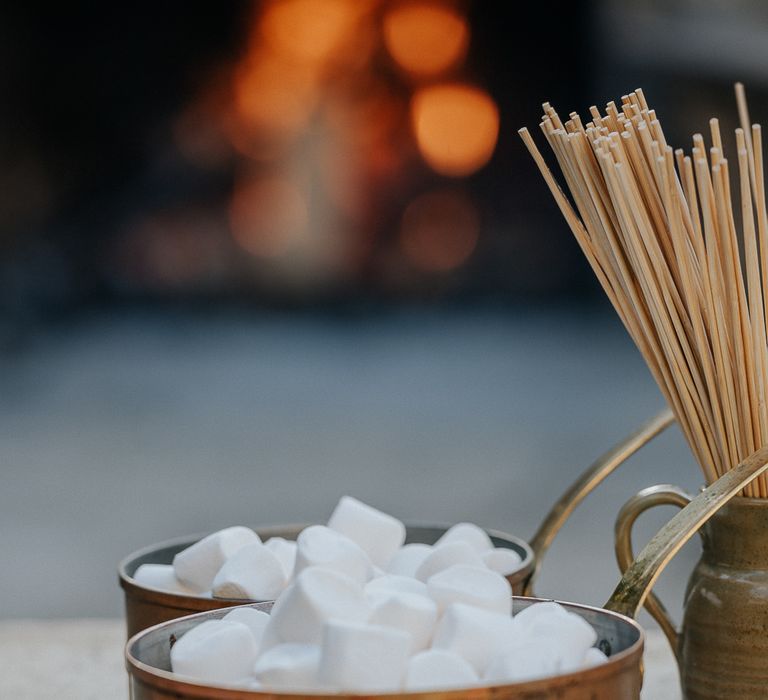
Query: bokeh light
268, 216
426, 38
440, 230
456, 127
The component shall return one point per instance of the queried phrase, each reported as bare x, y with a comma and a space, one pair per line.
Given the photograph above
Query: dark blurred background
254, 255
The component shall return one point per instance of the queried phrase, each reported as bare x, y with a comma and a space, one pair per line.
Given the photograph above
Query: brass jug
722, 645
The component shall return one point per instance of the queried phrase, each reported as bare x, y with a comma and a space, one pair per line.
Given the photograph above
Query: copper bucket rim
168, 680
183, 601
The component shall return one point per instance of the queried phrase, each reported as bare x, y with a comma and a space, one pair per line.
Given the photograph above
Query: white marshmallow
389, 582
473, 535
317, 595
251, 573
594, 657
526, 661
363, 658
532, 612
473, 633
254, 620
502, 560
435, 669
163, 578
379, 534
289, 667
285, 551
414, 614
318, 545
198, 564
215, 651
471, 585
408, 559
445, 556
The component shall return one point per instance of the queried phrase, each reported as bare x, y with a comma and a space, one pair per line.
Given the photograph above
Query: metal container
145, 606
721, 648
620, 678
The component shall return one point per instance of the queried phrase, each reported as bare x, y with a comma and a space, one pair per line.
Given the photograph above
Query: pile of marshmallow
359, 541
364, 614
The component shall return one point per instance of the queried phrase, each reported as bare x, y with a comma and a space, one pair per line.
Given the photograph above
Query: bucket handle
590, 479
637, 581
659, 495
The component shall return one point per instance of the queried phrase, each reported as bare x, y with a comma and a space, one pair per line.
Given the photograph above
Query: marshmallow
473, 633
380, 535
526, 661
408, 559
254, 620
216, 651
318, 545
594, 657
252, 573
316, 596
285, 551
389, 582
532, 612
446, 555
471, 585
474, 536
363, 658
289, 667
435, 669
163, 578
198, 565
502, 560
414, 614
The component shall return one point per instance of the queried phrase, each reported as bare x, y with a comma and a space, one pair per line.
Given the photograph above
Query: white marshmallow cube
471, 585
251, 573
473, 535
411, 613
502, 560
289, 667
473, 633
389, 582
316, 596
198, 564
436, 669
318, 545
285, 551
523, 662
447, 555
408, 559
594, 657
380, 535
216, 651
254, 620
163, 578
363, 658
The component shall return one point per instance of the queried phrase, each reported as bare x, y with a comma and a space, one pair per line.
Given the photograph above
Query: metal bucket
145, 606
619, 678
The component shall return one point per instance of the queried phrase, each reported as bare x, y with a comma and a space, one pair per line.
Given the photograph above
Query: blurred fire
439, 230
456, 127
426, 38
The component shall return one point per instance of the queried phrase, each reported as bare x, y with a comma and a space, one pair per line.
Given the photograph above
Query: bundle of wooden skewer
686, 273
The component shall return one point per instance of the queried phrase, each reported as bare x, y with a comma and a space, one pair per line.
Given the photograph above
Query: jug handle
636, 583
597, 472
659, 495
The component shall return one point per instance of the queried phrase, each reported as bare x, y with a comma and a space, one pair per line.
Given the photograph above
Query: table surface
83, 660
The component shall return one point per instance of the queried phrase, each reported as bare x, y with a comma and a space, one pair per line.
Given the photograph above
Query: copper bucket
619, 678
145, 606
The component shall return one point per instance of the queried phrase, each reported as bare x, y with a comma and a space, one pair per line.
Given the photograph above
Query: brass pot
145, 606
620, 678
722, 646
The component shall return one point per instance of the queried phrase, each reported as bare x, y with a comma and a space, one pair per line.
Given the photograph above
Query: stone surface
83, 660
